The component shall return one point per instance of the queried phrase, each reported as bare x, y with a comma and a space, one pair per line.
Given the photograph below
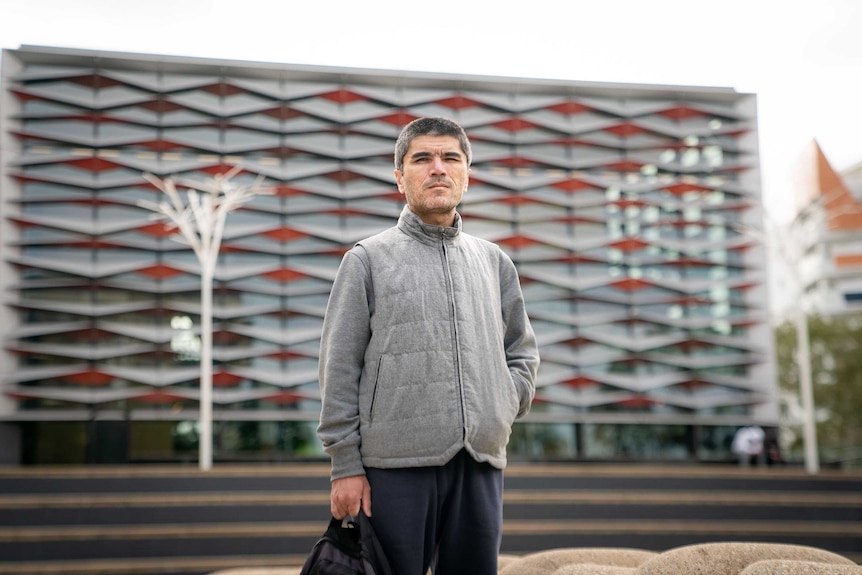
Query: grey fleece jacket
426, 349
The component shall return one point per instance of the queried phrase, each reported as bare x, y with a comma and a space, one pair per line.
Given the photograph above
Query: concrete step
214, 507
277, 478
265, 498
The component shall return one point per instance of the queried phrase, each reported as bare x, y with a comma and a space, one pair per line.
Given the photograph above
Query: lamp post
811, 455
806, 392
803, 349
200, 220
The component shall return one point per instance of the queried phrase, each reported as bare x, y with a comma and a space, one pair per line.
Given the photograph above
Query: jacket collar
413, 226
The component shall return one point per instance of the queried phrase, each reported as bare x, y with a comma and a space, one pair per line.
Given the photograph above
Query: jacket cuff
346, 464
526, 393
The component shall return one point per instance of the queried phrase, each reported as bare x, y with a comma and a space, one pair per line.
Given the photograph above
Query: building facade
828, 232
626, 208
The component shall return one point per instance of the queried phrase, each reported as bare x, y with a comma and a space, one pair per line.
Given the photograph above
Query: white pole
206, 385
806, 392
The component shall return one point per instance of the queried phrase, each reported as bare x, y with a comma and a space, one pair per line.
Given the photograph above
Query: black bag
347, 547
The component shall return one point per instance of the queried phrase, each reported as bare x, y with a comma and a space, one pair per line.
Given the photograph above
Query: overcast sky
803, 59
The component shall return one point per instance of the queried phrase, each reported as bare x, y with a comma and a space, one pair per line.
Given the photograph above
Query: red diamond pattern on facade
89, 378
458, 103
225, 379
159, 271
683, 113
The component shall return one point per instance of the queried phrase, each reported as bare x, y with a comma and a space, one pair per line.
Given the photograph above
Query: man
748, 444
427, 356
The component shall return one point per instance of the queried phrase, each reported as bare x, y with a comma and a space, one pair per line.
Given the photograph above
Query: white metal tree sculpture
199, 218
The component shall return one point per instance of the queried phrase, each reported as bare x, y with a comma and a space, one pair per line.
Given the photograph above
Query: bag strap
344, 534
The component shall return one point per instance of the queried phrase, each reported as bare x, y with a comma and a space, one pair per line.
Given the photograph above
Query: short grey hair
430, 127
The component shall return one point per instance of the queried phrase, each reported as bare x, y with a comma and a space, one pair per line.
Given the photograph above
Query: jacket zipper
450, 289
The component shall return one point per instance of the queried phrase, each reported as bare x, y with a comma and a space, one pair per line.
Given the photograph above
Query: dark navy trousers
449, 518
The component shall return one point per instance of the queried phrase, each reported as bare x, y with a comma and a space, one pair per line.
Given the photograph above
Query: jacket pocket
515, 397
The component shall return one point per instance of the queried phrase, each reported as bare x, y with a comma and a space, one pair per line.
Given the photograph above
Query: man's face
434, 178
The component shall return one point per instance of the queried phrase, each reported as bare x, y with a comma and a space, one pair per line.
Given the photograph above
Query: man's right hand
348, 494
